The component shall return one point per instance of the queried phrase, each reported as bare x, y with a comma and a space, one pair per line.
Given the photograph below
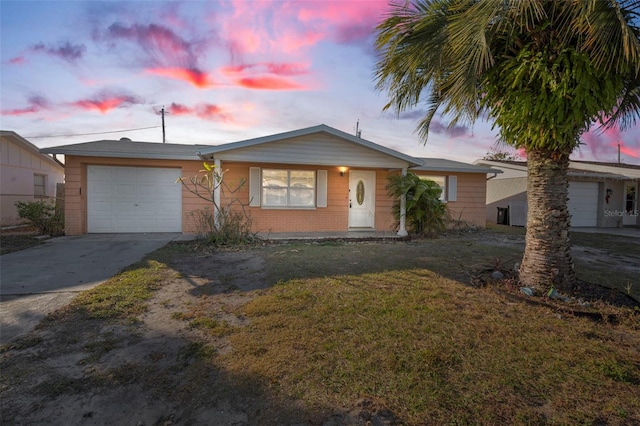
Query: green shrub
425, 214
43, 215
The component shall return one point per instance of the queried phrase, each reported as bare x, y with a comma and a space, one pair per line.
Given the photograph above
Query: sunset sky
223, 70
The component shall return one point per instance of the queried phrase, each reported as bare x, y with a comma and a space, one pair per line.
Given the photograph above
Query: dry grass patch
435, 351
123, 296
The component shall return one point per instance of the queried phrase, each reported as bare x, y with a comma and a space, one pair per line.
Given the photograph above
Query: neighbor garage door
583, 203
133, 199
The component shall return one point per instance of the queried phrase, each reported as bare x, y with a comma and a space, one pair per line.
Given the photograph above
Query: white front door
630, 203
362, 199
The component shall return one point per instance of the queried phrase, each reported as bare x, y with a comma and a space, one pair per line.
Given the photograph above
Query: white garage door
133, 199
583, 203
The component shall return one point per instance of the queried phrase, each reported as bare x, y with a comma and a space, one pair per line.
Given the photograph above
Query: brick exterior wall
470, 206
334, 217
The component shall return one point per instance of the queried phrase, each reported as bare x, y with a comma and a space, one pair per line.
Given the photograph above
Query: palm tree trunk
547, 255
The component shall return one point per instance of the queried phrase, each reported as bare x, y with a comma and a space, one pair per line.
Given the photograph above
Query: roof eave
121, 155
484, 170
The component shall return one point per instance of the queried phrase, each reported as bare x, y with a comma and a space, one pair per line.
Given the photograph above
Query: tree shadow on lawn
461, 258
457, 256
82, 371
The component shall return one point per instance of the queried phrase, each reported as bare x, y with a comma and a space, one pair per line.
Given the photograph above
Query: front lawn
332, 333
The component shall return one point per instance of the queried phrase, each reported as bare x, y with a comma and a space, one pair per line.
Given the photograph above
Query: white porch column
216, 192
402, 232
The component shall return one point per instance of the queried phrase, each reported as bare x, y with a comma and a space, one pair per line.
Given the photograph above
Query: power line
89, 134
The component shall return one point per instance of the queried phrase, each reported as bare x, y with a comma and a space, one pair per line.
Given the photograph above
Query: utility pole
164, 136
618, 152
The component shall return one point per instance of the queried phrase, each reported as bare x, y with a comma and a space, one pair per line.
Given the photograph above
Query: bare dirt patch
19, 238
158, 370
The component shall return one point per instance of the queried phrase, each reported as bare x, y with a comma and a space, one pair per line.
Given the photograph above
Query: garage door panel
583, 203
133, 199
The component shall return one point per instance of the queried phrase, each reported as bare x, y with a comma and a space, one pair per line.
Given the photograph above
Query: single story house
600, 194
25, 175
316, 179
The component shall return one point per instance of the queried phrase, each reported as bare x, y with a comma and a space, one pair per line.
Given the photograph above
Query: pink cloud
212, 112
194, 77
293, 42
17, 60
205, 111
105, 101
20, 111
344, 22
288, 69
631, 152
161, 43
178, 109
603, 145
268, 83
165, 53
36, 104
288, 27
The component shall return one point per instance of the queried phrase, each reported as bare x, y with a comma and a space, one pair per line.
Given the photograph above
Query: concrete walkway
37, 281
346, 235
625, 232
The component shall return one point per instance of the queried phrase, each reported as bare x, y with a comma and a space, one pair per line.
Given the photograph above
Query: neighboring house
25, 175
317, 179
600, 194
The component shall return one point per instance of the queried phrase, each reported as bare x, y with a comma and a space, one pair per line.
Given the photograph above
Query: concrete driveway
41, 279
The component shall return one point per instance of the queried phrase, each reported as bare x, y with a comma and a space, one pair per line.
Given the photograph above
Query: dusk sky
224, 71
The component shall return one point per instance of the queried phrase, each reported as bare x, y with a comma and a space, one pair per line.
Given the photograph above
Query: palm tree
543, 70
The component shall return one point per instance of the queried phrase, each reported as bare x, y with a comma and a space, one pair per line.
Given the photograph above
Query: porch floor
346, 235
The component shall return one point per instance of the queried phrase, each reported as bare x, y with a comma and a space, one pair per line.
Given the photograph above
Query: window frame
288, 189
443, 194
36, 186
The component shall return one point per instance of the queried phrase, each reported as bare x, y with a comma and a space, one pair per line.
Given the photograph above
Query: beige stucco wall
18, 166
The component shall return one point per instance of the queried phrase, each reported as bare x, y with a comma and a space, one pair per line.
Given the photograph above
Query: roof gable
319, 145
28, 146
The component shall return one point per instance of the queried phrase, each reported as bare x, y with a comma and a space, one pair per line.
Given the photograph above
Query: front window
288, 188
441, 181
